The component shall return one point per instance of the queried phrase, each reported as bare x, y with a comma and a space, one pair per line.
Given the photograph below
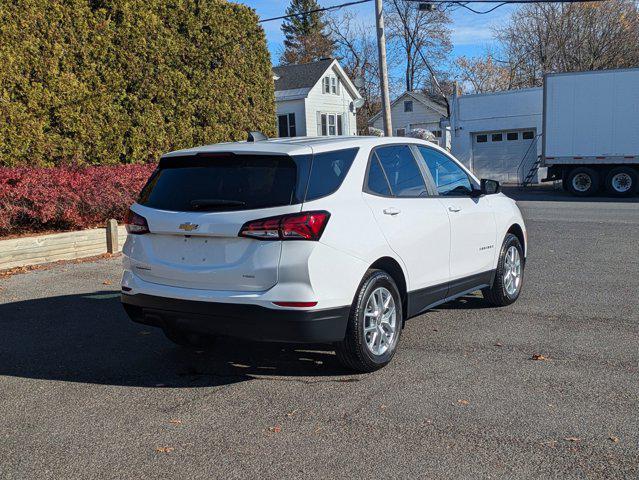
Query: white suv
316, 240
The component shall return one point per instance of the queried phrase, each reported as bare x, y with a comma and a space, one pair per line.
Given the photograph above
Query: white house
415, 110
315, 98
492, 133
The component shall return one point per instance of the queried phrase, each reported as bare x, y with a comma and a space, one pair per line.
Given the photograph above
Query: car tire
188, 339
372, 335
583, 181
509, 276
622, 182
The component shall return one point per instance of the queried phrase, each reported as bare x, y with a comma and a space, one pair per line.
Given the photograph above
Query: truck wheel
622, 181
509, 276
583, 181
374, 324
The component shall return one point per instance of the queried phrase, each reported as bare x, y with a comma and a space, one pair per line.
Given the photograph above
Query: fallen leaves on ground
497, 344
275, 429
572, 439
463, 402
107, 282
290, 414
539, 357
164, 449
613, 439
175, 421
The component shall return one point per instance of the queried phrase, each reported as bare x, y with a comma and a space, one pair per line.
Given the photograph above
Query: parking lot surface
85, 393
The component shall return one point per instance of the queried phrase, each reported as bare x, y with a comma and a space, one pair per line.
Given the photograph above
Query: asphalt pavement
85, 393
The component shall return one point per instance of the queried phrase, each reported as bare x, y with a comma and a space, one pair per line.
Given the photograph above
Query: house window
512, 136
496, 137
286, 125
331, 124
482, 138
437, 133
408, 106
400, 132
528, 135
330, 85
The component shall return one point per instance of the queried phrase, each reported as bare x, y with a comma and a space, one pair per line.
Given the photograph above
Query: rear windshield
229, 182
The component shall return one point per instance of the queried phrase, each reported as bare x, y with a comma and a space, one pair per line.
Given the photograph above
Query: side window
328, 171
403, 173
377, 182
450, 179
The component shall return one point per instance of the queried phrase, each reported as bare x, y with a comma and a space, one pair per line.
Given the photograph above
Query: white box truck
591, 131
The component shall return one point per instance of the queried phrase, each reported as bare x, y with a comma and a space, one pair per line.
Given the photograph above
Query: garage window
482, 138
512, 136
528, 135
496, 137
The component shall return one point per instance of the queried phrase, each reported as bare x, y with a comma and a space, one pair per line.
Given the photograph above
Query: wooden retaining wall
25, 251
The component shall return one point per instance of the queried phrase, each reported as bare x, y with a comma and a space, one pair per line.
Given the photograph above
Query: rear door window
226, 182
401, 169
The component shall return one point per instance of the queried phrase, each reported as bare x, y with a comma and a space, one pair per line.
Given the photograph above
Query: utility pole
383, 69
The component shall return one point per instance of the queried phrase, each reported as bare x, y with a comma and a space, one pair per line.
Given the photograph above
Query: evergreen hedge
122, 81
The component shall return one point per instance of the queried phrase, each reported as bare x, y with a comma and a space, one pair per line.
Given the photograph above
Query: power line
458, 3
316, 10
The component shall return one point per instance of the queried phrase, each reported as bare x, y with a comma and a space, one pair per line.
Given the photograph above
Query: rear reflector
295, 304
296, 226
136, 224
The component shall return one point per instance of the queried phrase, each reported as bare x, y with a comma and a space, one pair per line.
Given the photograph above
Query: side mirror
489, 187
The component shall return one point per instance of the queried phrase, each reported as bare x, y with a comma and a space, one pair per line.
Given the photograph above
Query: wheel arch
518, 232
394, 269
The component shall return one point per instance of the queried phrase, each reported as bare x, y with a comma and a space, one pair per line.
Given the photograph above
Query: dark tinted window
328, 171
528, 135
512, 136
497, 137
402, 171
482, 138
450, 178
224, 182
376, 180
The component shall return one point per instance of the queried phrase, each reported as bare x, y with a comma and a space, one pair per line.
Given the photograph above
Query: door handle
392, 211
453, 208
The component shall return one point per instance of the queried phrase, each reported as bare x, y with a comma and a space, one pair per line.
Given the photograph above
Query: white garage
493, 132
498, 154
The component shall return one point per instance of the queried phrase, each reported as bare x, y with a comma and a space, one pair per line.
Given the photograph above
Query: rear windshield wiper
215, 202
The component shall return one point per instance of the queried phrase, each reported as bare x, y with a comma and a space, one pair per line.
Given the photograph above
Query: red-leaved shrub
67, 198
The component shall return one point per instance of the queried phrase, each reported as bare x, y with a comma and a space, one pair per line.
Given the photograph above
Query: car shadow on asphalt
88, 338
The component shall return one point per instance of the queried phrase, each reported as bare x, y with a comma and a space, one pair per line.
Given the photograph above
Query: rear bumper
251, 322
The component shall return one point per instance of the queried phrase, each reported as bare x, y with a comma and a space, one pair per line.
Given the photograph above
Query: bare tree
356, 50
410, 30
547, 38
483, 74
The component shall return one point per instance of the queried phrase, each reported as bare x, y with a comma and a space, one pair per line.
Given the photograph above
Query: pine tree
306, 39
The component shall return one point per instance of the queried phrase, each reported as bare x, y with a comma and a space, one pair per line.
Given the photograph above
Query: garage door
498, 154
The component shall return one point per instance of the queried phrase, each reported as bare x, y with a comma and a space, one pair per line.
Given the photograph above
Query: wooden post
112, 236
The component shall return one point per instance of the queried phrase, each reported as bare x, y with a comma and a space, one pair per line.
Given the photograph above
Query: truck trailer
591, 131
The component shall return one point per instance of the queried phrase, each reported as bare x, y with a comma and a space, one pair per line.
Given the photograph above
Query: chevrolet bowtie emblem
188, 226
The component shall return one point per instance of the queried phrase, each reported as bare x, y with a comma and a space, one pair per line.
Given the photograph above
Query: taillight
136, 224
296, 226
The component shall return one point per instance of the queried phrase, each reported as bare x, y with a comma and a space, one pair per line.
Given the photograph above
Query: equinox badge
188, 226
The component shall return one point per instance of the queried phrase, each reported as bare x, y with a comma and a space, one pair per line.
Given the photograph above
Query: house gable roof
305, 76
430, 101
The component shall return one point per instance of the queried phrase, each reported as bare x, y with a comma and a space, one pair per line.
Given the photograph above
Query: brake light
136, 224
296, 226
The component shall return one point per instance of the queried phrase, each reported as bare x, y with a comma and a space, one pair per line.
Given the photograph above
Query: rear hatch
195, 206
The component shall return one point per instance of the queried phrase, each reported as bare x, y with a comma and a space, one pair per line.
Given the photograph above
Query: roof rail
256, 137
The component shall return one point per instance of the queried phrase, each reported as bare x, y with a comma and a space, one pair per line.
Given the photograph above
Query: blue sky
470, 32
